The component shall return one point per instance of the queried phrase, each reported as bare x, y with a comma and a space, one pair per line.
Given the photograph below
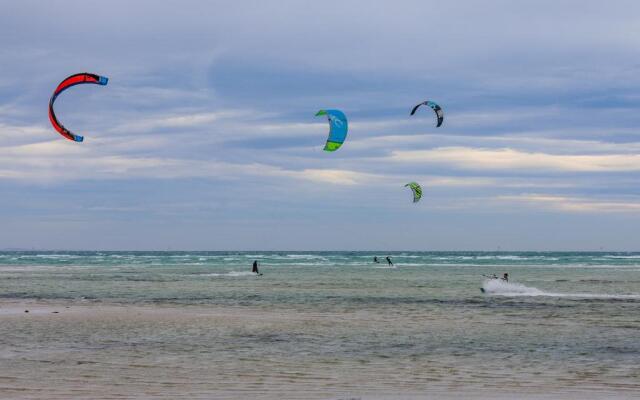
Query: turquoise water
322, 324
322, 279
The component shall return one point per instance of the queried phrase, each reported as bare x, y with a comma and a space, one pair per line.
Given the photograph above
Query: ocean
319, 325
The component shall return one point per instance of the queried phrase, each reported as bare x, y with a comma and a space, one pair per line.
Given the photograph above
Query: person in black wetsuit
255, 267
389, 261
375, 259
505, 277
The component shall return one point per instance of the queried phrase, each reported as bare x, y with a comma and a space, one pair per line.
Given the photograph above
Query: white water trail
232, 274
498, 287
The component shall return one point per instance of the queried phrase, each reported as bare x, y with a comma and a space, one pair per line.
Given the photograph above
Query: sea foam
499, 287
232, 273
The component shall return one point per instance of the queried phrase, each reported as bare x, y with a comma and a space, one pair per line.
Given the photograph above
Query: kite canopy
73, 80
434, 107
338, 128
416, 189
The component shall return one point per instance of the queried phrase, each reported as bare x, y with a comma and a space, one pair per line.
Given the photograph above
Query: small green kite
416, 189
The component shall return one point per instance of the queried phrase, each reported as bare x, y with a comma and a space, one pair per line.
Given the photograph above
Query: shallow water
319, 325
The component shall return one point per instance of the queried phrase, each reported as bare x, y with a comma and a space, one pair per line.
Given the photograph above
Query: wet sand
69, 350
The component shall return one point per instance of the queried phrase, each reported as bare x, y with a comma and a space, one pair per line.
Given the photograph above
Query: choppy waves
328, 259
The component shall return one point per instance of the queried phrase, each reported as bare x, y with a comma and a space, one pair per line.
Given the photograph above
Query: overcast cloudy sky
205, 137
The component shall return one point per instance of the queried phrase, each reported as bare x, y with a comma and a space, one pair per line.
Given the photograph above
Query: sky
205, 137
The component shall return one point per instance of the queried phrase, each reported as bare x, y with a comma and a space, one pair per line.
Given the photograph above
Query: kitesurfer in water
505, 277
375, 259
255, 267
389, 261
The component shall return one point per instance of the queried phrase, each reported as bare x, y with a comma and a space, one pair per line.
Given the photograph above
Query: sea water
319, 325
